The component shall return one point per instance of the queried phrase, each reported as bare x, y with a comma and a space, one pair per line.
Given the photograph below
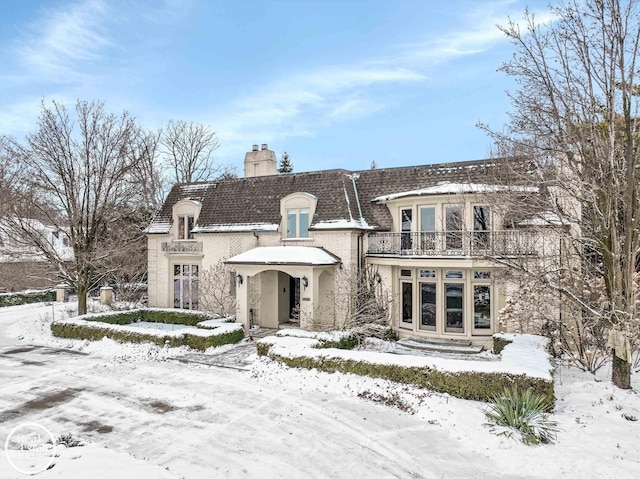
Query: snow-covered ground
146, 417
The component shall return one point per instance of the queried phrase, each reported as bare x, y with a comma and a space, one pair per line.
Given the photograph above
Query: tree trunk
621, 372
82, 300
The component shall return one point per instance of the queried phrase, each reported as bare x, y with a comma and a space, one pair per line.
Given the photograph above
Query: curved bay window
458, 301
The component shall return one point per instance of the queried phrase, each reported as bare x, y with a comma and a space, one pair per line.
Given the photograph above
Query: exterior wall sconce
239, 279
305, 282
377, 278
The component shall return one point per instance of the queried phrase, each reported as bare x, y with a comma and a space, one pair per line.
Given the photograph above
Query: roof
346, 199
446, 188
290, 255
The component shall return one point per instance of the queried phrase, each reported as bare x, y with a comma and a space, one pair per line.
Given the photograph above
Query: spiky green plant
526, 412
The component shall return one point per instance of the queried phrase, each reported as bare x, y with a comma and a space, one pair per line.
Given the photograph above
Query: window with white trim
298, 223
185, 227
185, 286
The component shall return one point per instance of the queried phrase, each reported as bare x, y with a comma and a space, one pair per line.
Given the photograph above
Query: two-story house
429, 232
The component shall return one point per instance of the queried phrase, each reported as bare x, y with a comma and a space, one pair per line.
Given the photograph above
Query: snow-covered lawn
144, 416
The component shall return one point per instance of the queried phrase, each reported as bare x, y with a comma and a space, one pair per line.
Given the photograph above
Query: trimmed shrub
499, 342
474, 385
14, 299
345, 342
92, 333
526, 412
149, 315
96, 333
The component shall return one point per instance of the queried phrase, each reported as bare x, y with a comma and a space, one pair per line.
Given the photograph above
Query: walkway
240, 356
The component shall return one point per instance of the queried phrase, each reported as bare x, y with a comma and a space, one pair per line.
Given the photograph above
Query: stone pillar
106, 295
62, 293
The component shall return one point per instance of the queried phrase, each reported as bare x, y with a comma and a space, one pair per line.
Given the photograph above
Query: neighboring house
23, 266
427, 232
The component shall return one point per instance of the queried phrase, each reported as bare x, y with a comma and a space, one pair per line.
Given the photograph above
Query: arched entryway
274, 282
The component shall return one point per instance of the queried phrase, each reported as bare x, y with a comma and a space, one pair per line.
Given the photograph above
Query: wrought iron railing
182, 247
455, 243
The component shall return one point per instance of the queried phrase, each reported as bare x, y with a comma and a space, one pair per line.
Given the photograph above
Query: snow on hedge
321, 336
220, 329
525, 355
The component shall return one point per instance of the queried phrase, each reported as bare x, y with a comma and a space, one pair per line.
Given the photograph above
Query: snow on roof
285, 255
159, 227
546, 218
360, 224
446, 188
230, 228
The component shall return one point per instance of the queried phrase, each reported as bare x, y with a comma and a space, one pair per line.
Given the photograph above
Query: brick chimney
260, 162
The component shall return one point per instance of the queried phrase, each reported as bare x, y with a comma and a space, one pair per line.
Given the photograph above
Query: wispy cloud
301, 104
64, 44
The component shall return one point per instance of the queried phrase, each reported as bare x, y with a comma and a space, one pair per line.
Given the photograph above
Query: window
453, 226
185, 225
481, 306
406, 218
185, 286
298, 223
428, 305
454, 307
407, 303
481, 226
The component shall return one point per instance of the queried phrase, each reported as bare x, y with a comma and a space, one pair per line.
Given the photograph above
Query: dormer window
297, 210
185, 225
298, 223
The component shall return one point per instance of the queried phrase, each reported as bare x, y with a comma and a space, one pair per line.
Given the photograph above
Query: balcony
182, 247
455, 243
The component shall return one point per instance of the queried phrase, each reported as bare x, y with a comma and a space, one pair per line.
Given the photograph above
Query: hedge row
149, 315
499, 343
14, 299
479, 386
93, 333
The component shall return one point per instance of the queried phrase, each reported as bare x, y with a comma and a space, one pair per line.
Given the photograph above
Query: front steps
439, 345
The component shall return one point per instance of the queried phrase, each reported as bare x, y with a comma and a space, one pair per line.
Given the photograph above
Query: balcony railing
455, 243
184, 247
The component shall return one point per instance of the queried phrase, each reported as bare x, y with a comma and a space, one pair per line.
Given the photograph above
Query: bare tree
77, 176
217, 289
188, 148
575, 119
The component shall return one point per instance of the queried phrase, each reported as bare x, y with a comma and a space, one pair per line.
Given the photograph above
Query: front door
294, 298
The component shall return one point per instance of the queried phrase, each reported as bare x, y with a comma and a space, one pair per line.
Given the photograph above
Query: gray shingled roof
251, 201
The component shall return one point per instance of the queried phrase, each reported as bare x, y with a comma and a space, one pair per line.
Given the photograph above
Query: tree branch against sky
78, 174
575, 115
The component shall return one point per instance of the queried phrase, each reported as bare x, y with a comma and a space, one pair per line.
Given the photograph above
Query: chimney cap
254, 148
264, 146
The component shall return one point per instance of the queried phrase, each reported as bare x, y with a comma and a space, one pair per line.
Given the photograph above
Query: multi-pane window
185, 227
185, 286
298, 223
446, 300
481, 306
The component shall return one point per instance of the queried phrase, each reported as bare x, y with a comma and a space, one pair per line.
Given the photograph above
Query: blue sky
335, 83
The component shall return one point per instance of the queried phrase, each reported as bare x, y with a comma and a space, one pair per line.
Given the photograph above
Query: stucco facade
430, 240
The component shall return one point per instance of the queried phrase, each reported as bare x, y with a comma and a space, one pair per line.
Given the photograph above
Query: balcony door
427, 229
406, 218
453, 225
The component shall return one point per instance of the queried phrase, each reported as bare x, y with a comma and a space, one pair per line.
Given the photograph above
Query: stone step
440, 345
